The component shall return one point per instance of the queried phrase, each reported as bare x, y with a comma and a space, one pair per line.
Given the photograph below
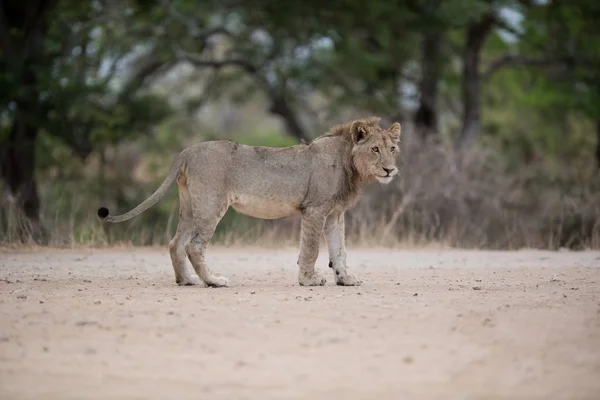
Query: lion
320, 180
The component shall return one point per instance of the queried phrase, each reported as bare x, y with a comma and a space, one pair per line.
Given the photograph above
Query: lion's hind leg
312, 228
183, 275
206, 216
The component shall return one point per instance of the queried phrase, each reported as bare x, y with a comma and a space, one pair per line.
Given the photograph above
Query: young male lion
320, 180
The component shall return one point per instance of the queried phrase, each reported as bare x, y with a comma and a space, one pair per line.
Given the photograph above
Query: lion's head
374, 149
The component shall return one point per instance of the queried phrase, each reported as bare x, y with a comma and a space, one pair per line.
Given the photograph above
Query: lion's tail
103, 213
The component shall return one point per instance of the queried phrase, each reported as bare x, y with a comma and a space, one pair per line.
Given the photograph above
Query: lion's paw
218, 281
311, 280
348, 280
191, 280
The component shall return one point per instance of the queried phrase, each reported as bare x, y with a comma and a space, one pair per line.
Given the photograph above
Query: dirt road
108, 324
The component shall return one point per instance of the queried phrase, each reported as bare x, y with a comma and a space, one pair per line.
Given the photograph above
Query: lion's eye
375, 149
393, 149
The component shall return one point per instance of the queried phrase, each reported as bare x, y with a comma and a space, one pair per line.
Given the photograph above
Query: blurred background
499, 103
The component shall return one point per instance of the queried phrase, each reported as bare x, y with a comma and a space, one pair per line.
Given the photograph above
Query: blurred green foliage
107, 92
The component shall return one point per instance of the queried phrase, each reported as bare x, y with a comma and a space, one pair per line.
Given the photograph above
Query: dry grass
479, 202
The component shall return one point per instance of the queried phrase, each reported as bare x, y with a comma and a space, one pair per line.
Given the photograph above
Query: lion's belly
261, 207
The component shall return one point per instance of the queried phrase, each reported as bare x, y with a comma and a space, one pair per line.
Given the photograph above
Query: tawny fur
320, 180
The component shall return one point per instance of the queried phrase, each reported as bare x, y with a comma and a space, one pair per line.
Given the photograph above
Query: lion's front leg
334, 234
312, 227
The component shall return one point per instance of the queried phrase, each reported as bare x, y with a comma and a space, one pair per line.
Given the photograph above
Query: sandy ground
107, 324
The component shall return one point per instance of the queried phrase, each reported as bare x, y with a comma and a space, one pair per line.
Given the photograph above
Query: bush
480, 202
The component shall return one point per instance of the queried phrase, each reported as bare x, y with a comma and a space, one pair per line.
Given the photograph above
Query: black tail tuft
102, 213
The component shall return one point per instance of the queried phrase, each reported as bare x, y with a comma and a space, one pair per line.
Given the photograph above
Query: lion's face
375, 151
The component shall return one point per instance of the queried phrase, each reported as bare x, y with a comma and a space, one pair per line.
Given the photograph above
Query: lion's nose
388, 171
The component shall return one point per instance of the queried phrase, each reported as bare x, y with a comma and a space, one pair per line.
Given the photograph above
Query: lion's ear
395, 131
359, 131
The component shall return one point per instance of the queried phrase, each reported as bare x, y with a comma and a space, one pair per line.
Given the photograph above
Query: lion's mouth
384, 179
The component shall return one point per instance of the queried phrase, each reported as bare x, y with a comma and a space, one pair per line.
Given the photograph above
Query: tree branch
477, 33
245, 65
192, 26
502, 24
198, 61
526, 3
279, 103
137, 81
112, 70
514, 60
4, 34
36, 14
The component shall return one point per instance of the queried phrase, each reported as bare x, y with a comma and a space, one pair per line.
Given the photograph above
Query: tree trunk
426, 117
17, 166
280, 106
477, 34
22, 34
598, 144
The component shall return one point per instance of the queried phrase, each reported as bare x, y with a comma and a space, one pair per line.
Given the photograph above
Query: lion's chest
263, 206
